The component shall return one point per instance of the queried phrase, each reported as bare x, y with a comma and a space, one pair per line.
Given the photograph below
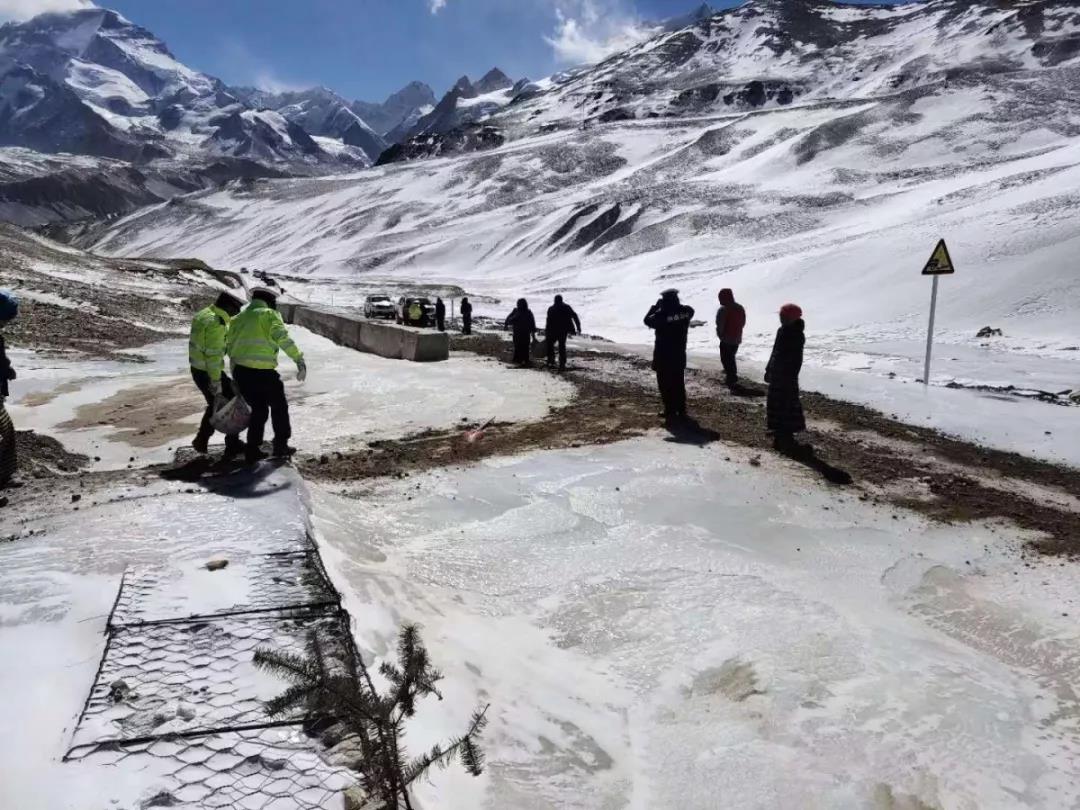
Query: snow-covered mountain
795, 151
91, 82
322, 113
769, 53
399, 113
465, 103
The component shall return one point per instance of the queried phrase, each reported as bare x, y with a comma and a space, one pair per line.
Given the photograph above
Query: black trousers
466, 324
440, 322
206, 430
265, 394
552, 342
9, 459
727, 358
672, 384
522, 349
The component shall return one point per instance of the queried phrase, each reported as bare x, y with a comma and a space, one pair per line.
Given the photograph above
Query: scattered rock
119, 691
755, 461
355, 798
185, 711
162, 799
988, 331
76, 498
216, 565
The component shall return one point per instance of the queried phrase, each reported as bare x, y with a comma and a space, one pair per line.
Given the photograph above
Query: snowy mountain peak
97, 36
464, 87
493, 80
702, 12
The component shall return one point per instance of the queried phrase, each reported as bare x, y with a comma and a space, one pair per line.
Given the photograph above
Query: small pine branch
290, 666
292, 698
346, 692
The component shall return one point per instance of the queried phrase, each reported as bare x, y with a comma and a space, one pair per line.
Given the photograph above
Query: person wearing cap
783, 408
670, 320
254, 339
9, 461
730, 321
206, 355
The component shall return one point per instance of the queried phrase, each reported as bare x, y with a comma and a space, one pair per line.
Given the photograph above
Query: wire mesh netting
178, 699
194, 676
260, 583
264, 769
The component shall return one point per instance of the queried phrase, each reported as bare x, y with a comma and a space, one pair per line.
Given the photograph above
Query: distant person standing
255, 337
523, 325
9, 460
466, 317
206, 356
730, 321
562, 321
670, 319
440, 315
784, 412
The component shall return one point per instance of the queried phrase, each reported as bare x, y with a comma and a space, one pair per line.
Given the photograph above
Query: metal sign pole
930, 332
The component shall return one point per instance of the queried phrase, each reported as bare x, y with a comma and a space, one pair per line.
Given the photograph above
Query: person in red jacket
730, 320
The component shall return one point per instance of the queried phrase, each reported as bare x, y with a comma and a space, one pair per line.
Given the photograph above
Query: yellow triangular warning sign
940, 263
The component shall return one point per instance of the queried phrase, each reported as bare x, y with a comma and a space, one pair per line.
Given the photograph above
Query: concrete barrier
377, 337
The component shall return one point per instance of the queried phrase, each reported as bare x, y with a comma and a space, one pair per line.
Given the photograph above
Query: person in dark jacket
730, 320
670, 319
523, 324
440, 315
562, 321
784, 412
466, 317
9, 461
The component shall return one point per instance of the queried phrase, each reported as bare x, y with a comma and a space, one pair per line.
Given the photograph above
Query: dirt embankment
886, 460
77, 303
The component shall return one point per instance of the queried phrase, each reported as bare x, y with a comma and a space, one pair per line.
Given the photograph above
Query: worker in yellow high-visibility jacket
206, 354
255, 337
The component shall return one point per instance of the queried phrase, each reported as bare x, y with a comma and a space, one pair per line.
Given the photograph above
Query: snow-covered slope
400, 112
835, 202
92, 82
324, 114
465, 103
777, 52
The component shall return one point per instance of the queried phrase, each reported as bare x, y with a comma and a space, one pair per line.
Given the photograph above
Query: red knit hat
790, 312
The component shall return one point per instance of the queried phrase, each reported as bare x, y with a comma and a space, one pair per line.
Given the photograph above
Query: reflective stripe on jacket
256, 335
206, 347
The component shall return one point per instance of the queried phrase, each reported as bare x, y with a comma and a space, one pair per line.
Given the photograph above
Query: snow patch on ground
658, 626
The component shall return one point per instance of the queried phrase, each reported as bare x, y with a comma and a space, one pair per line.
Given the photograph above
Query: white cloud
266, 80
589, 31
25, 9
436, 5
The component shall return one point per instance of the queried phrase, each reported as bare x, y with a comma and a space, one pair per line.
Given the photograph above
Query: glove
215, 388
301, 370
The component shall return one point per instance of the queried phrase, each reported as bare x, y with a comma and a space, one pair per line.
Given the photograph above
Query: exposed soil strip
147, 415
913, 467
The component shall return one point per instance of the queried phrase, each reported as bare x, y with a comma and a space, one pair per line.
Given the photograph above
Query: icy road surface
656, 626
57, 588
129, 413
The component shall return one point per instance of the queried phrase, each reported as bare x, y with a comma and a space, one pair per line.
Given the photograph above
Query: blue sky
366, 49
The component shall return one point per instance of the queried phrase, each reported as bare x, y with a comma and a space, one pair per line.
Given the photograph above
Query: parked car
379, 306
427, 308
